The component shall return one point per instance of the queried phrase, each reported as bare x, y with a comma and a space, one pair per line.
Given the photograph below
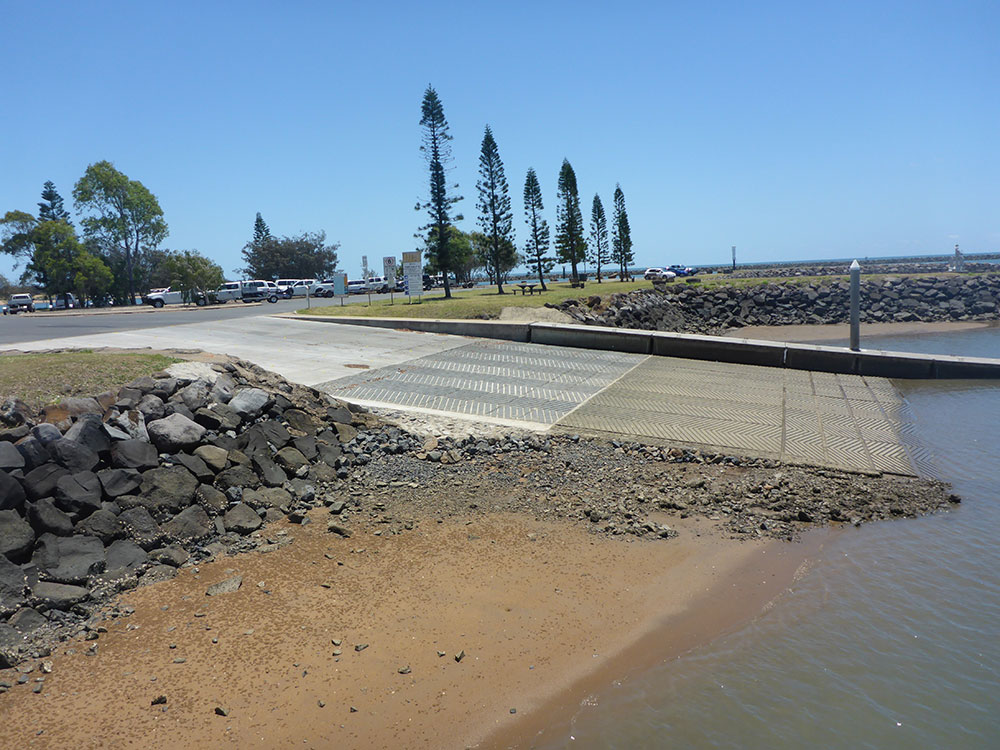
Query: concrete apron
829, 359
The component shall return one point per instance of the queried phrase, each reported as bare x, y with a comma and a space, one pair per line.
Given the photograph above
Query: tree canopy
536, 248
435, 145
51, 206
190, 272
571, 246
261, 231
305, 256
124, 218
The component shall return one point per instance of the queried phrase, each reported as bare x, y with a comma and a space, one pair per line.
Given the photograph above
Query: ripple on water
892, 640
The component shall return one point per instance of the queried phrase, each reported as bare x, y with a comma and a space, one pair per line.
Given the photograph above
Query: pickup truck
168, 296
19, 303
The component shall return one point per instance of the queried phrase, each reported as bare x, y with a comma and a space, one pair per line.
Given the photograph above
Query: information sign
413, 270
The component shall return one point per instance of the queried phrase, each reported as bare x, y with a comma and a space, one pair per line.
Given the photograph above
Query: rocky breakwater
100, 494
688, 308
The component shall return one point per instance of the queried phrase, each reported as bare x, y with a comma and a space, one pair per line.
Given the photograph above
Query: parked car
652, 273
67, 301
357, 287
682, 270
260, 289
174, 297
284, 285
19, 303
324, 288
230, 290
378, 285
299, 288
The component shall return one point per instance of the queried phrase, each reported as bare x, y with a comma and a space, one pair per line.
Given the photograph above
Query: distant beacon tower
958, 264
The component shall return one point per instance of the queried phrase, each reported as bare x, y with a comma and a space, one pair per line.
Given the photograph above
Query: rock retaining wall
688, 308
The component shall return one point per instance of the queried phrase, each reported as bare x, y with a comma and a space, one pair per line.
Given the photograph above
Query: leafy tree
60, 264
306, 256
495, 215
192, 273
126, 217
621, 235
464, 258
16, 238
436, 149
536, 249
598, 236
261, 231
51, 206
6, 288
498, 265
92, 278
571, 247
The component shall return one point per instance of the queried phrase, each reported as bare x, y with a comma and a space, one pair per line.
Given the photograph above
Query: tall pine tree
261, 232
621, 235
598, 236
51, 206
495, 216
571, 246
435, 144
536, 249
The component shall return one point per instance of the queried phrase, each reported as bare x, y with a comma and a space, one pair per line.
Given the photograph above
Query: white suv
259, 289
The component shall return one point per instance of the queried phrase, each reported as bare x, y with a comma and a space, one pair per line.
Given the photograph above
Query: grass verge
42, 379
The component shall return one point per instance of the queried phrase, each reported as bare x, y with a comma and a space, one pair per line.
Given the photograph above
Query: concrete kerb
692, 346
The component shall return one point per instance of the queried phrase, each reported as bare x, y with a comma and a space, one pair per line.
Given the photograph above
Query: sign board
413, 271
364, 267
389, 270
340, 284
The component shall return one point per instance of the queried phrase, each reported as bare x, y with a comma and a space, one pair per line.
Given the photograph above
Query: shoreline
796, 334
545, 613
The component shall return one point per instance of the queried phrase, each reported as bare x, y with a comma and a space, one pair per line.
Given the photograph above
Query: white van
258, 290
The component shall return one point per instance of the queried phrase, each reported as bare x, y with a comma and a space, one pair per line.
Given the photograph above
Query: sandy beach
541, 610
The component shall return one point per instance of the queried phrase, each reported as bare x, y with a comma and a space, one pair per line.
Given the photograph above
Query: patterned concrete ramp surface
842, 421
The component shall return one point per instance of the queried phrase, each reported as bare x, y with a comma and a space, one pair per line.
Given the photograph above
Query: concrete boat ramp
846, 421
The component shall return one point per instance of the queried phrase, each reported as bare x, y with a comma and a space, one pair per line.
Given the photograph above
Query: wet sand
544, 612
839, 333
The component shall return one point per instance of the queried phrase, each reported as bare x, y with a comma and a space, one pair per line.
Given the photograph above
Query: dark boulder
236, 476
222, 390
89, 430
27, 620
141, 528
10, 457
79, 494
118, 482
306, 446
268, 471
174, 433
339, 414
214, 457
151, 407
194, 395
46, 517
274, 432
190, 524
291, 460
13, 587
10, 646
103, 524
128, 398
173, 556
212, 500
169, 488
11, 492
124, 557
242, 519
72, 456
133, 454
33, 451
250, 403
68, 559
299, 420
41, 482
45, 433
208, 419
16, 536
195, 465
47, 595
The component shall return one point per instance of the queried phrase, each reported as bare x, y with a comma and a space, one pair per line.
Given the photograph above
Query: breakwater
689, 308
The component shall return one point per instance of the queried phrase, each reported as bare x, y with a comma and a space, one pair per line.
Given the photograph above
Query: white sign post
364, 268
389, 270
413, 270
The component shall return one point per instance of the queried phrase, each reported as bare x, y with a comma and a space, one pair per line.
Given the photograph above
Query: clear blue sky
788, 129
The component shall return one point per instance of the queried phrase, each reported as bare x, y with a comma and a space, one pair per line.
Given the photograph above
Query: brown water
892, 640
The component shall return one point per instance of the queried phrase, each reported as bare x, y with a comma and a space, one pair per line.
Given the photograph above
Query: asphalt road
43, 325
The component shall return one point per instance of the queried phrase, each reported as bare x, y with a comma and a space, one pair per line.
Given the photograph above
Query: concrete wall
692, 346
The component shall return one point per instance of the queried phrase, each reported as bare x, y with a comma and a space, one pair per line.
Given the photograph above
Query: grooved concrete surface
496, 380
841, 421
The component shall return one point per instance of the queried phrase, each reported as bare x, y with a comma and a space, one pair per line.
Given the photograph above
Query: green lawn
41, 379
485, 304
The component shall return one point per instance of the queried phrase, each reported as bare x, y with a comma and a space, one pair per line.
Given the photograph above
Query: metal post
855, 306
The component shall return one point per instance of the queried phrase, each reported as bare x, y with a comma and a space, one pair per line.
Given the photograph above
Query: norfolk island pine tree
495, 216
571, 246
537, 246
598, 236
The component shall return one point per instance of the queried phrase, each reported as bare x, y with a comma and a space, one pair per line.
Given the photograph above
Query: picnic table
528, 289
